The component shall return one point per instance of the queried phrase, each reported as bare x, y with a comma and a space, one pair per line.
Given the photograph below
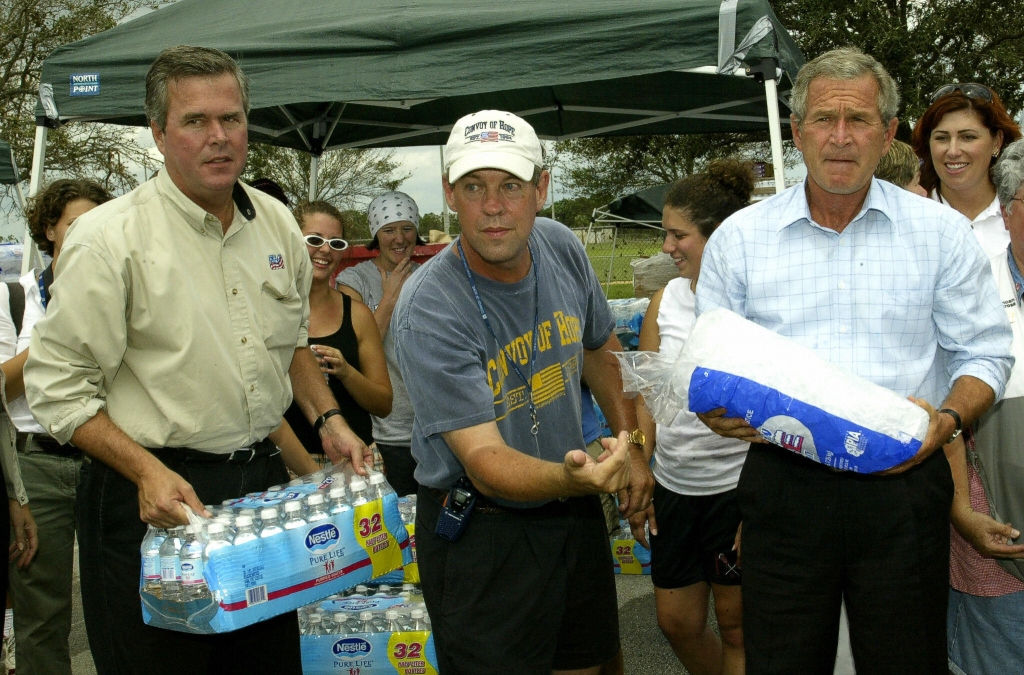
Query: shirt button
842, 285
243, 341
252, 387
842, 330
234, 291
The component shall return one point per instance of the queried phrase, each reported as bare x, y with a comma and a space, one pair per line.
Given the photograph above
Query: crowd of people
191, 342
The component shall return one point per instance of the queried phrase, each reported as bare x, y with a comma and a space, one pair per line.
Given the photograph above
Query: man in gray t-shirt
492, 336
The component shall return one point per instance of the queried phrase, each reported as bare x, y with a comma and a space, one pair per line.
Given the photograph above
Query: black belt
485, 505
48, 445
264, 448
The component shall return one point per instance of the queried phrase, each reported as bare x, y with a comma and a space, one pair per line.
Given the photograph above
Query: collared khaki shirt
182, 332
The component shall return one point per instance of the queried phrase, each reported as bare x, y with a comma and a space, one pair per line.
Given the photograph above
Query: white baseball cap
492, 139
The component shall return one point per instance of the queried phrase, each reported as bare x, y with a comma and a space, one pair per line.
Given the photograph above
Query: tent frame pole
775, 132
611, 262
31, 257
314, 170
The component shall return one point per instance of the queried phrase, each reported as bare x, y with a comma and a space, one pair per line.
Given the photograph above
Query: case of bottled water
628, 556
271, 552
382, 630
410, 573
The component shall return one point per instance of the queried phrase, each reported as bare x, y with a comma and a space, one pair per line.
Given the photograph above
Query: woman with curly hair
693, 520
42, 591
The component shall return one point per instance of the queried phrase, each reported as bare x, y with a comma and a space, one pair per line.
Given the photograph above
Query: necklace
536, 319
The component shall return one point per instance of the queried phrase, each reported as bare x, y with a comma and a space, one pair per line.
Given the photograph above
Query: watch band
956, 418
323, 418
636, 437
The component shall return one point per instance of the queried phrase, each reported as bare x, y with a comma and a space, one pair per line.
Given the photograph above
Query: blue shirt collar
797, 208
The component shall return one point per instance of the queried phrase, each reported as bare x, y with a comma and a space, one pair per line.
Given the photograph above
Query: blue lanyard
536, 320
42, 292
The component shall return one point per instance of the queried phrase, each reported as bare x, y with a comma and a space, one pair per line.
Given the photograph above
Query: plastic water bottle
293, 515
383, 591
393, 624
338, 502
326, 622
379, 487
244, 531
217, 539
151, 559
315, 502
358, 489
315, 625
170, 566
360, 591
270, 526
227, 521
190, 557
366, 624
341, 626
418, 620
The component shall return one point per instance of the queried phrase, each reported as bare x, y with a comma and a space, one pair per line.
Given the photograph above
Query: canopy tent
391, 73
9, 175
639, 208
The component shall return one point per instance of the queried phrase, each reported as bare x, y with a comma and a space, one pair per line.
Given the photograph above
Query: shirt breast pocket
281, 314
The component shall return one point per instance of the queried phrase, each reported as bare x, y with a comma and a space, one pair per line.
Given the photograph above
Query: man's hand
161, 495
637, 497
989, 537
730, 427
26, 534
340, 441
636, 525
611, 474
940, 428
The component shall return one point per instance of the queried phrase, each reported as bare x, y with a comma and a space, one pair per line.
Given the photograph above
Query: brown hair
323, 208
899, 165
992, 113
47, 207
181, 62
711, 197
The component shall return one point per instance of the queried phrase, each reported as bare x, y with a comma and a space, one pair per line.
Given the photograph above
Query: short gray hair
1008, 174
848, 63
183, 61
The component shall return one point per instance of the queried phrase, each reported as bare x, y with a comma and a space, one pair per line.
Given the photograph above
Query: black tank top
344, 340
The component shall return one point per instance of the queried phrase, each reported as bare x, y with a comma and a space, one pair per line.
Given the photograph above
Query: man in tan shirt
172, 345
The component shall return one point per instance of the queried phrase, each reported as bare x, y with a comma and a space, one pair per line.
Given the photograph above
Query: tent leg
444, 200
30, 257
314, 169
611, 262
771, 94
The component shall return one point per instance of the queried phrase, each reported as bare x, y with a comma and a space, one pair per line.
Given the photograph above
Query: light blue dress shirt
905, 277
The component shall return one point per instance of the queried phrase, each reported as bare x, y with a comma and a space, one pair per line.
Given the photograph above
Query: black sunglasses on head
968, 89
316, 241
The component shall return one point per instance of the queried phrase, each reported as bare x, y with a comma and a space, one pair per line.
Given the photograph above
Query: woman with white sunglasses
342, 333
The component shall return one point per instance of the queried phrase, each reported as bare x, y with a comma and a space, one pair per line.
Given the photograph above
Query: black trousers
813, 537
399, 466
109, 536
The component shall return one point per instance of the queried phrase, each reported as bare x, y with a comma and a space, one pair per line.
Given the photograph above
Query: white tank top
689, 458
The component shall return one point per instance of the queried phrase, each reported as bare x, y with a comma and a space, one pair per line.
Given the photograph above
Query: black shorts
523, 592
695, 539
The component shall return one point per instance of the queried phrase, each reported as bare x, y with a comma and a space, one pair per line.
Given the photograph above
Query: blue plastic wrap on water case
798, 426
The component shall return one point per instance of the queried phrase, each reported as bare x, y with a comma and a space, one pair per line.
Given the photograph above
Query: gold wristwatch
637, 437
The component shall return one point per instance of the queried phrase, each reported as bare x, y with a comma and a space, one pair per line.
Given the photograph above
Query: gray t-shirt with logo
396, 428
457, 374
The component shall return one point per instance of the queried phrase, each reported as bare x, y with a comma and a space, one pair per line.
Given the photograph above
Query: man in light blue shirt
896, 289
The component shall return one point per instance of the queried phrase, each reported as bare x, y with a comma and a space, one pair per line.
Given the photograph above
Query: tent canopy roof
357, 73
8, 169
640, 207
